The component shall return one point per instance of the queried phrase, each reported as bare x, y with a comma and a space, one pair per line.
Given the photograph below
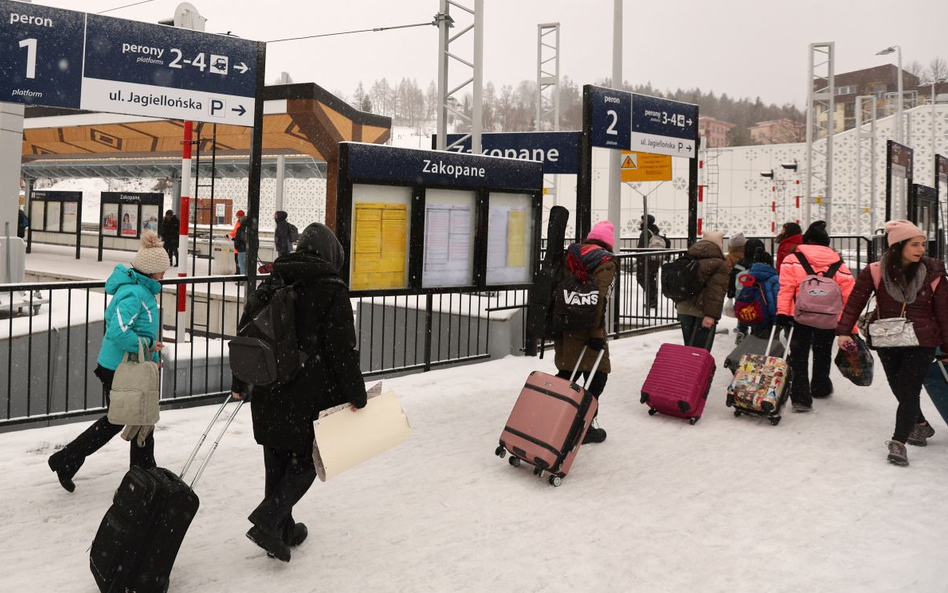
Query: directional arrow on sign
689, 121
240, 110
242, 68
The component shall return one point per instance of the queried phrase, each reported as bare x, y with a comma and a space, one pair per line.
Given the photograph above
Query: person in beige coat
699, 314
596, 254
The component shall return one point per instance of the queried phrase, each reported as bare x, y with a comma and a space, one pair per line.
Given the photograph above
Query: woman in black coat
283, 416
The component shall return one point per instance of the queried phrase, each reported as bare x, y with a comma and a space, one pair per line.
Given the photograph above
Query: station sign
629, 121
558, 151
611, 118
63, 58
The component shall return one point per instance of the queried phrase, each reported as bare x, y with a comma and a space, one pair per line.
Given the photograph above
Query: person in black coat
283, 416
169, 230
281, 235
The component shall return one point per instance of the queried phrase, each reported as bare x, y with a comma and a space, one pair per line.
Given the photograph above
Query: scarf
907, 295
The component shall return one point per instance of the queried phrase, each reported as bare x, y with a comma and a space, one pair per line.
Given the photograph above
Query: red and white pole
183, 216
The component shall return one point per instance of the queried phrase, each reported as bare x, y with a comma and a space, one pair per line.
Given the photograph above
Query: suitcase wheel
500, 451
644, 398
514, 461
556, 481
737, 413
775, 420
652, 411
537, 471
693, 421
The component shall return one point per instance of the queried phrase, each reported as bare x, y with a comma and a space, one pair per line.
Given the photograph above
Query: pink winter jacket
792, 274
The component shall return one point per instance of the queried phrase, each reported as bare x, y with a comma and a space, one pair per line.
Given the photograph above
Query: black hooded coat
281, 235
283, 416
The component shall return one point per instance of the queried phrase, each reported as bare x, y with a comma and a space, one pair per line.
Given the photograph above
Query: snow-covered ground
730, 505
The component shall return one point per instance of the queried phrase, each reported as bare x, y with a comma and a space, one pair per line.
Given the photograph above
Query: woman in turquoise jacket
132, 314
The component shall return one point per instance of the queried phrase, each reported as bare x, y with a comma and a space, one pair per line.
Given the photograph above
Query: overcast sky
741, 47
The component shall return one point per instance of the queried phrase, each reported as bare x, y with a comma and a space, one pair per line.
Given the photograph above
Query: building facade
714, 132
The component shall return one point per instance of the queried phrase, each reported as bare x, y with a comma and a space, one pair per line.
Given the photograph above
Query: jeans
905, 369
71, 457
802, 388
288, 476
703, 338
241, 262
172, 254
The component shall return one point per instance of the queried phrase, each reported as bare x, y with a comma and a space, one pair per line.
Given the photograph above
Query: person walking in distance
169, 231
647, 276
791, 235
282, 241
594, 254
699, 314
907, 284
283, 416
132, 315
797, 289
233, 236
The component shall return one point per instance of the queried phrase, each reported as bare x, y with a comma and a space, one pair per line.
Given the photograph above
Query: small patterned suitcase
760, 384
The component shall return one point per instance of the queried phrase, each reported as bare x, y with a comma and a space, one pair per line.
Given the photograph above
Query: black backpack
575, 300
240, 238
681, 279
266, 351
294, 233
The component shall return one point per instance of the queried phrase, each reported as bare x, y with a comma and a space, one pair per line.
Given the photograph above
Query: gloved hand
595, 344
785, 320
138, 432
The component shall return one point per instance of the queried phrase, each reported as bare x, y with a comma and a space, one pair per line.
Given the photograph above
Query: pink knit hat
900, 230
604, 232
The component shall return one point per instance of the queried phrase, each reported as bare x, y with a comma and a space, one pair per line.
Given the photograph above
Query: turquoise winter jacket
132, 313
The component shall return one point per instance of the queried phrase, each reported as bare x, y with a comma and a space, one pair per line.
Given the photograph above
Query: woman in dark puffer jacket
915, 284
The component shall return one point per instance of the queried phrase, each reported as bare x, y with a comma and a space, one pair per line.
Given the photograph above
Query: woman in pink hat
595, 258
906, 283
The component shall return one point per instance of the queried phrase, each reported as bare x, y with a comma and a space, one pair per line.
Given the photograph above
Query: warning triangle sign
629, 162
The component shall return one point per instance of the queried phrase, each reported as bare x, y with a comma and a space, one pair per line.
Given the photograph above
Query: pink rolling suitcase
548, 423
679, 381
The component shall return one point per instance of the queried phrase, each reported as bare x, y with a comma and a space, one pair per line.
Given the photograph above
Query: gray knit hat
151, 257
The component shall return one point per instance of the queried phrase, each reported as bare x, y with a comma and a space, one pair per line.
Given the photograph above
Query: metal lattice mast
447, 98
548, 90
821, 90
862, 135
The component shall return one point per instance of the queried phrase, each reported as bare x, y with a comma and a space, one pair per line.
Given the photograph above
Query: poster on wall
220, 214
70, 217
510, 233
38, 215
53, 216
449, 238
129, 220
380, 246
150, 218
110, 219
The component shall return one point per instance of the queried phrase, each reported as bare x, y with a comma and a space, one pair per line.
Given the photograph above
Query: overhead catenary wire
354, 31
126, 6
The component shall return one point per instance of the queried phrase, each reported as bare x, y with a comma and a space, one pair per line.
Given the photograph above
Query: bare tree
915, 68
937, 69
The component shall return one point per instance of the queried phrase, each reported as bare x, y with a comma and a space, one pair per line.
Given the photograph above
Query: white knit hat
151, 257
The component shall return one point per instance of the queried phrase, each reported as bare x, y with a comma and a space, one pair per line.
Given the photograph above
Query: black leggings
905, 369
73, 455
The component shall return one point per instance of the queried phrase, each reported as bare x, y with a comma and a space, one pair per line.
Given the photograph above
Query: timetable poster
70, 217
449, 239
38, 215
510, 236
110, 219
380, 246
53, 214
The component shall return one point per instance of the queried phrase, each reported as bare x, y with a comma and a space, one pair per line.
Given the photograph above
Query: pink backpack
819, 298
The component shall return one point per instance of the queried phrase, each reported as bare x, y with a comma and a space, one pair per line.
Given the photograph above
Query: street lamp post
898, 106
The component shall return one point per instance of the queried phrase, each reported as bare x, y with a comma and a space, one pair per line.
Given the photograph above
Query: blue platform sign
558, 151
611, 118
98, 63
40, 55
662, 126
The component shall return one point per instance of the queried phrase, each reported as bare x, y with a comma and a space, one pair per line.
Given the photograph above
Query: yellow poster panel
644, 166
516, 239
379, 253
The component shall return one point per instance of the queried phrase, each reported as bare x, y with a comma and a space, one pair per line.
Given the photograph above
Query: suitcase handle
694, 334
773, 332
579, 361
217, 441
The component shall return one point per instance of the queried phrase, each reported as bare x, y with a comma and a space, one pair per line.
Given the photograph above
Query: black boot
271, 542
64, 470
594, 435
295, 534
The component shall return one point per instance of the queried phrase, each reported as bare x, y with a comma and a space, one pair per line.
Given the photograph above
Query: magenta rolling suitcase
679, 381
548, 423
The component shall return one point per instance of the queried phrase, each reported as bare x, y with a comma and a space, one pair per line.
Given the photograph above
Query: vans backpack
576, 298
819, 298
266, 351
294, 233
681, 279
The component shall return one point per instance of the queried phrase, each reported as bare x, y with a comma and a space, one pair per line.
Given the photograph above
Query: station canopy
302, 122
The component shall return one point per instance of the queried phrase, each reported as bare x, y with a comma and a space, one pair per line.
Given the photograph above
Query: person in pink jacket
820, 258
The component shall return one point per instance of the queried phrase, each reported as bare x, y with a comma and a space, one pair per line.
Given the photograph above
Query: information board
558, 151
64, 58
642, 166
49, 208
510, 233
629, 121
379, 237
449, 238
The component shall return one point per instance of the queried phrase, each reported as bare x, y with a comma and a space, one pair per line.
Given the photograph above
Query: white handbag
133, 399
893, 332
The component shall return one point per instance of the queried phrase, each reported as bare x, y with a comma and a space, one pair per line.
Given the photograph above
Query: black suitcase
138, 540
